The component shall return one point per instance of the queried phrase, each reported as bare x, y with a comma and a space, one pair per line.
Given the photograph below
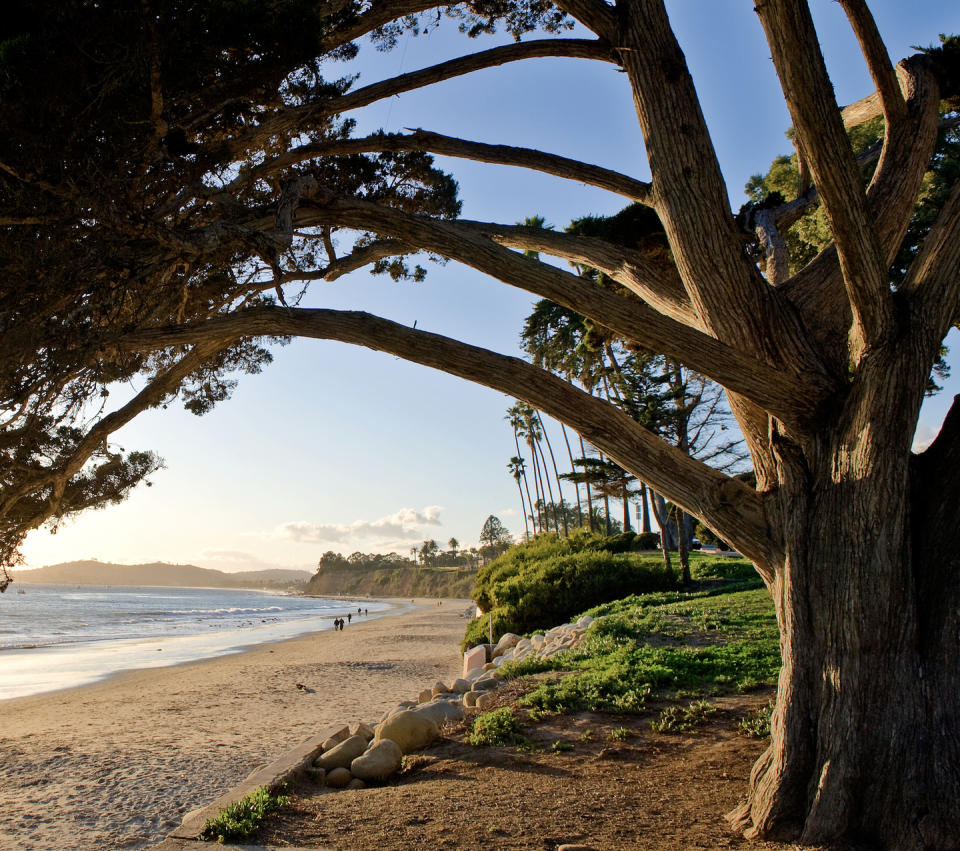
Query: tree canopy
173, 174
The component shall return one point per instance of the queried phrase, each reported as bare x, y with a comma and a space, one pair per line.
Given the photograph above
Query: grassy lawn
665, 646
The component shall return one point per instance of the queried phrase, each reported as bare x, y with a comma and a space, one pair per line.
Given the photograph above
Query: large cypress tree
173, 173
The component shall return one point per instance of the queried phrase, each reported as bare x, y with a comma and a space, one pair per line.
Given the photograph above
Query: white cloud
507, 512
234, 561
403, 526
923, 437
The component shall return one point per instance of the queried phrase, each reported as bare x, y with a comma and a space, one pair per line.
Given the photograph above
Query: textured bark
825, 370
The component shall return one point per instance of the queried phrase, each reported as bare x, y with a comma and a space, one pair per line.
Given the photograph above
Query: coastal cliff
392, 582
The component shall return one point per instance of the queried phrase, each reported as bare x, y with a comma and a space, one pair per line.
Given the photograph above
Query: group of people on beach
338, 622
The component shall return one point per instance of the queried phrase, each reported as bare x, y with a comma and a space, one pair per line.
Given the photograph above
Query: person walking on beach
349, 616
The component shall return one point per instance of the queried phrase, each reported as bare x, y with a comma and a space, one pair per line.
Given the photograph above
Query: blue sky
335, 447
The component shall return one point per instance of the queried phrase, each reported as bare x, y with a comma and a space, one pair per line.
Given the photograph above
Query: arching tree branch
734, 510
422, 140
291, 118
791, 398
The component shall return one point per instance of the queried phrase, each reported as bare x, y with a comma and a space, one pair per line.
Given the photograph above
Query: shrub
723, 568
499, 727
545, 582
241, 820
647, 541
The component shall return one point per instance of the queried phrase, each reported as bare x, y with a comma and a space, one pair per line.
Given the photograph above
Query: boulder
342, 755
380, 761
507, 640
340, 736
489, 666
359, 728
485, 700
460, 686
409, 730
470, 698
339, 778
440, 712
585, 621
486, 684
356, 783
426, 695
475, 658
440, 688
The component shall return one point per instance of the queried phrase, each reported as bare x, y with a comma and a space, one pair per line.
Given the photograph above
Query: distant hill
179, 575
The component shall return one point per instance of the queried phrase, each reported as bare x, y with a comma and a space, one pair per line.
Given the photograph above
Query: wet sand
118, 763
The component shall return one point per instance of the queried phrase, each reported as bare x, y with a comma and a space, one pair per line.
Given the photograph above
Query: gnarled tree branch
733, 509
878, 60
809, 94
290, 118
789, 397
422, 140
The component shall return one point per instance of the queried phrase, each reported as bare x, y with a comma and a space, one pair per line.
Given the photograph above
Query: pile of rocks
362, 752
512, 647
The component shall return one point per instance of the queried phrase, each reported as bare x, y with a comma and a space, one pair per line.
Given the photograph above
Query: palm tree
576, 485
515, 415
515, 467
454, 545
556, 474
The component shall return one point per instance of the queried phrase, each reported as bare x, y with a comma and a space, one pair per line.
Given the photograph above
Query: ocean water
60, 636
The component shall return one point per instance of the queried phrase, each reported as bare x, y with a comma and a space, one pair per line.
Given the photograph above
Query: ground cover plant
662, 645
499, 727
241, 820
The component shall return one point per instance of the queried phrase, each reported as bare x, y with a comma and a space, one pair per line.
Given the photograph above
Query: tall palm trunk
583, 454
538, 486
556, 474
523, 508
523, 472
576, 485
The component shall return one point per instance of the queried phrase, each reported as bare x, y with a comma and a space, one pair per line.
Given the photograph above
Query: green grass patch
659, 645
681, 719
756, 725
496, 728
241, 819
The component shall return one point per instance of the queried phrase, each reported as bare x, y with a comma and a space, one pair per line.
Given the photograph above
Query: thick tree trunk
866, 732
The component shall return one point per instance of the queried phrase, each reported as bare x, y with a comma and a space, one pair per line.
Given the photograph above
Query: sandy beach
118, 763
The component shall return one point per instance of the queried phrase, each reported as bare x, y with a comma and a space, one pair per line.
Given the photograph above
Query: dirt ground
651, 791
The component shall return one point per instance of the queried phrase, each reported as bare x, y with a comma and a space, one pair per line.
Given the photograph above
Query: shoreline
88, 662
118, 762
